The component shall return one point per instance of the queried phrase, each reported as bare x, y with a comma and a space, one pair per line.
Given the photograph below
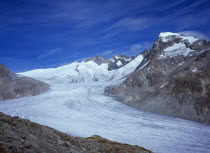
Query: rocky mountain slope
172, 79
19, 135
13, 86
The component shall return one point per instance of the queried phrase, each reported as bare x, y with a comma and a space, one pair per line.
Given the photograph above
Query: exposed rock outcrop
119, 61
13, 86
114, 63
20, 135
173, 79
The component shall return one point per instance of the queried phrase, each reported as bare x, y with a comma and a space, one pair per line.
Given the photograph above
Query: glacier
75, 104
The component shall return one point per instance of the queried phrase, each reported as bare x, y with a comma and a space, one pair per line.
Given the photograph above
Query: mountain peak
172, 79
166, 34
169, 36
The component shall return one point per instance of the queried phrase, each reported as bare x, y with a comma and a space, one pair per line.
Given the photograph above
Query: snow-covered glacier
75, 104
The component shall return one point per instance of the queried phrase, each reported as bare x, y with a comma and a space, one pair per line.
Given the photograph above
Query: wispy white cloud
50, 52
191, 20
119, 14
130, 24
135, 49
195, 4
185, 17
195, 34
131, 50
107, 52
81, 14
109, 34
140, 46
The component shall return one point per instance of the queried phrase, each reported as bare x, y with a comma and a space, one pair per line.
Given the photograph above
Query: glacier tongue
75, 104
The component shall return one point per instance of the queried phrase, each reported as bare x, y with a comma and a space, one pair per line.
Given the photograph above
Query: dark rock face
176, 85
4, 72
20, 135
114, 63
13, 86
119, 61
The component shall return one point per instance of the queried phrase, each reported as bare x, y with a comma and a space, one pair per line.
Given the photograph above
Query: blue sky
50, 33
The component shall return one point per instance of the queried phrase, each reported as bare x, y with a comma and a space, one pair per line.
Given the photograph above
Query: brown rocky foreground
21, 135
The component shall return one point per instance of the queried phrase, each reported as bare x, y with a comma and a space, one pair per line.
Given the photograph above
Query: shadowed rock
119, 61
114, 63
13, 86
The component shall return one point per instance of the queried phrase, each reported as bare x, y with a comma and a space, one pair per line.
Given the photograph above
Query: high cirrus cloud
195, 34
50, 52
107, 52
140, 46
132, 24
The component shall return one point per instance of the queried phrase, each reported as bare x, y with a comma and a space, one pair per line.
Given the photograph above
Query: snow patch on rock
180, 64
175, 50
119, 63
194, 70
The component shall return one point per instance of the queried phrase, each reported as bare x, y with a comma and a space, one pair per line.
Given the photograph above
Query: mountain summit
172, 79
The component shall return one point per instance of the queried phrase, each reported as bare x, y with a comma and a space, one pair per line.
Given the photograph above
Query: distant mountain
15, 86
94, 69
172, 79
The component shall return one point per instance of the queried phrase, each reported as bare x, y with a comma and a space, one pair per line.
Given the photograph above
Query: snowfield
75, 104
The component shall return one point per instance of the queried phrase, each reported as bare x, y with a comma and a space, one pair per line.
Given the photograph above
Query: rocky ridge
20, 135
119, 61
114, 63
173, 79
15, 86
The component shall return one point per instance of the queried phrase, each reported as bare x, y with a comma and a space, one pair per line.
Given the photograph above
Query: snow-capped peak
87, 71
174, 44
166, 34
169, 36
